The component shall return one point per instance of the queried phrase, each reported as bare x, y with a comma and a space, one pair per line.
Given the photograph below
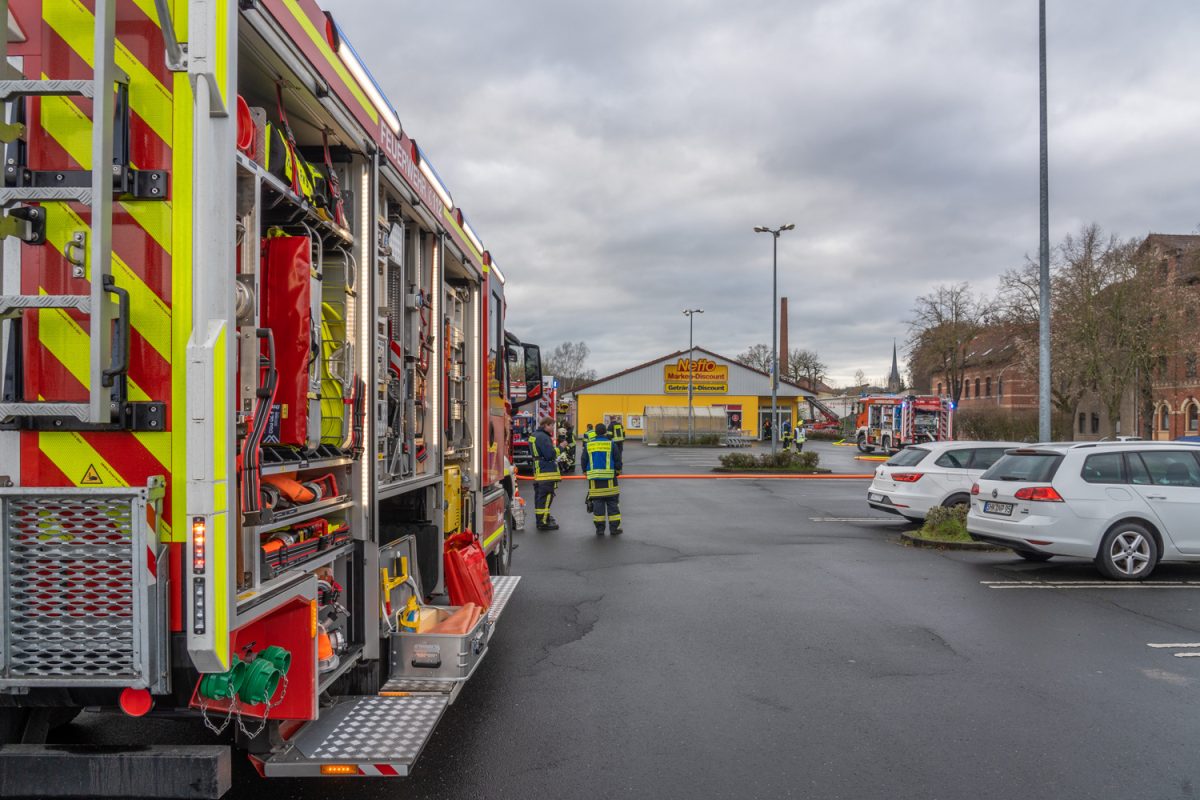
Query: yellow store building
734, 391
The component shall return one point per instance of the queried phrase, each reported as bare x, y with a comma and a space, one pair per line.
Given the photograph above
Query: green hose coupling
224, 685
262, 679
282, 659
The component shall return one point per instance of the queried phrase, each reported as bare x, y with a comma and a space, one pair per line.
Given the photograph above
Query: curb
917, 541
743, 476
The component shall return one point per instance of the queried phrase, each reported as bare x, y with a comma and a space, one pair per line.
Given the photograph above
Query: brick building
994, 376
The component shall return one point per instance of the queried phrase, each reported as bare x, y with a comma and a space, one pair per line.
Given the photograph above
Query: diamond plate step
78, 410
46, 194
9, 89
503, 587
9, 302
363, 736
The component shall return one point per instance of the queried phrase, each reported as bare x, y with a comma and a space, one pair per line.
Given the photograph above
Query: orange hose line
725, 476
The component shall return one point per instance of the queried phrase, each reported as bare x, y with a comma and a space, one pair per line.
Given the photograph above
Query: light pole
774, 325
1044, 429
690, 314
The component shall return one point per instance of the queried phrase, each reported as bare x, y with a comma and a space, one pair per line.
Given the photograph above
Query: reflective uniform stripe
538, 473
600, 460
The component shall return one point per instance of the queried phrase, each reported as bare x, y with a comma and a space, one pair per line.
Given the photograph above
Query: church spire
894, 382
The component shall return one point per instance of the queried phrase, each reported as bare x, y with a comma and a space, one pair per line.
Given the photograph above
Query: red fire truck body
256, 403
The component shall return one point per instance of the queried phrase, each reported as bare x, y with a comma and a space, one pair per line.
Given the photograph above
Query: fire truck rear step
363, 736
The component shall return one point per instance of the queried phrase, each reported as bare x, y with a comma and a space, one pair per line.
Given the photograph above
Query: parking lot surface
775, 639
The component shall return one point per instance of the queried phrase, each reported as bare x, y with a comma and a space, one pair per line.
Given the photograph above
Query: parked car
1124, 505
934, 474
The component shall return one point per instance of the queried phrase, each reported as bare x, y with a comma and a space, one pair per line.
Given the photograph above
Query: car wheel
956, 500
1030, 555
1128, 552
862, 444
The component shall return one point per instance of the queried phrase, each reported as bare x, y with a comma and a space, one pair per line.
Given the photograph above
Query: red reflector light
135, 702
1041, 542
975, 488
1045, 494
907, 477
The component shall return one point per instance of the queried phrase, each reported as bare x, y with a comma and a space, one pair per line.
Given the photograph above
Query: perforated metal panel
79, 590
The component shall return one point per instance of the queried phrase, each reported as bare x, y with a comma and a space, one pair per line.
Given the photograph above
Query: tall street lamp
690, 314
1044, 428
774, 327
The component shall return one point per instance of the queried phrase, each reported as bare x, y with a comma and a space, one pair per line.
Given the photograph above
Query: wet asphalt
763, 639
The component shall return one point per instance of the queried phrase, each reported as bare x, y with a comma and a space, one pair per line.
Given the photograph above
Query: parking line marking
1187, 655
1090, 585
1173, 646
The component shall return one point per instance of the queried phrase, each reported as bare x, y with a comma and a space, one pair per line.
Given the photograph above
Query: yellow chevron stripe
71, 20
71, 128
150, 316
64, 339
68, 342
71, 453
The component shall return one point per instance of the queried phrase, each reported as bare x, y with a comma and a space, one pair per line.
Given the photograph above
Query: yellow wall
591, 408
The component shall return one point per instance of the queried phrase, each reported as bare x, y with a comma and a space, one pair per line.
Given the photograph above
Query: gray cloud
615, 156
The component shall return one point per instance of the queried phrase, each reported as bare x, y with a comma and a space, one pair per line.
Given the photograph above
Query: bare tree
566, 362
805, 365
1116, 320
942, 326
757, 356
860, 379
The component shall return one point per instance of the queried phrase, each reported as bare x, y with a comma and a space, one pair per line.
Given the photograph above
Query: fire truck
892, 422
256, 380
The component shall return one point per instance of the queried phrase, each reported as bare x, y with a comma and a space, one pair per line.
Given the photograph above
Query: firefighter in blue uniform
603, 491
617, 433
545, 473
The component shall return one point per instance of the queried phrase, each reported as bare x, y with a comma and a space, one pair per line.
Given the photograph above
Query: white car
1124, 505
935, 474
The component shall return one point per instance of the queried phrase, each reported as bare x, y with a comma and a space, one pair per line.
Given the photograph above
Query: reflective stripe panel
496, 535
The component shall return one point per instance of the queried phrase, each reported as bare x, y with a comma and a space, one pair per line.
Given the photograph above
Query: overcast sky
615, 156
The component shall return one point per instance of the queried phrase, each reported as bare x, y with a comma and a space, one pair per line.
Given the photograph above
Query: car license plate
874, 497
1004, 509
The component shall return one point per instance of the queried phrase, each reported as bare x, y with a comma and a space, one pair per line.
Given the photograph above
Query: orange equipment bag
291, 488
467, 578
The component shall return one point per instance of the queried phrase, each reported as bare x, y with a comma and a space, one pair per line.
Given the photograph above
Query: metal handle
120, 350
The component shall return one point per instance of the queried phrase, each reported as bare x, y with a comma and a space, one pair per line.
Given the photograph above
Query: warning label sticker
91, 477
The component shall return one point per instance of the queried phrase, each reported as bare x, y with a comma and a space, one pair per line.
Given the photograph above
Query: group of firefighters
787, 436
603, 447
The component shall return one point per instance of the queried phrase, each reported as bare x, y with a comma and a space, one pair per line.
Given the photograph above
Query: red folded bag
467, 578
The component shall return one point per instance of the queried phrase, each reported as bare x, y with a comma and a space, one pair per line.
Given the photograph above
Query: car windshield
1032, 467
908, 457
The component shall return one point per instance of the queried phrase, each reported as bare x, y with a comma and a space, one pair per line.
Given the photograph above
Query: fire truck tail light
339, 769
199, 543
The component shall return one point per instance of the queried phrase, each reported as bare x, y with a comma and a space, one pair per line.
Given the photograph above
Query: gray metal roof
647, 379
